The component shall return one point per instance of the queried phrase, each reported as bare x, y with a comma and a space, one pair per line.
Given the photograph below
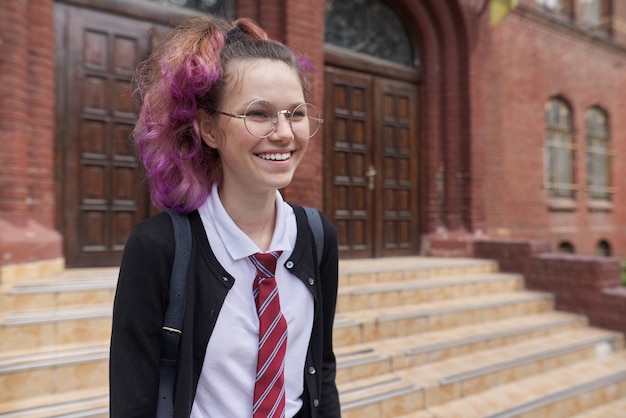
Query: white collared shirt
226, 384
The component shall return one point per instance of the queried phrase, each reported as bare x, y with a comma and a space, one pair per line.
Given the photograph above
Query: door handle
370, 174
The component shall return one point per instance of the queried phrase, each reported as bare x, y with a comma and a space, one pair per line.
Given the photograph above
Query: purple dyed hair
187, 72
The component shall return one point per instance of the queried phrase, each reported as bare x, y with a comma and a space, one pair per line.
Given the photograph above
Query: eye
258, 115
298, 114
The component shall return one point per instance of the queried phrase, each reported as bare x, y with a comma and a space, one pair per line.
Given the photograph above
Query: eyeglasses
261, 119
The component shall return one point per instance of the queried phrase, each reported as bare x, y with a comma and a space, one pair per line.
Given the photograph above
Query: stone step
563, 392
611, 409
72, 288
96, 286
437, 288
364, 326
89, 403
413, 336
436, 383
379, 396
359, 271
52, 371
363, 360
32, 331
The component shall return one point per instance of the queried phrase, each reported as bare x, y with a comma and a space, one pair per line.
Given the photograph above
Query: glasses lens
260, 117
305, 120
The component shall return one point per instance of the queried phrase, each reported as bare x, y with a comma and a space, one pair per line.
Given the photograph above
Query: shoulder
155, 224
154, 235
302, 214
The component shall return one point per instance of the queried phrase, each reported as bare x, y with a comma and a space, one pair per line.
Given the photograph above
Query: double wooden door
371, 163
100, 193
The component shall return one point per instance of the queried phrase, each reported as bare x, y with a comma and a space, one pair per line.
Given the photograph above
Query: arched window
225, 8
370, 27
566, 247
559, 150
598, 154
604, 248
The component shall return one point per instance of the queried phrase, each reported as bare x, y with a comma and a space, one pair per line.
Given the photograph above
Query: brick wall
589, 285
14, 97
27, 115
529, 58
304, 23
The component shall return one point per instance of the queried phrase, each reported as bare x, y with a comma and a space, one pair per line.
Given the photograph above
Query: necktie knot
265, 263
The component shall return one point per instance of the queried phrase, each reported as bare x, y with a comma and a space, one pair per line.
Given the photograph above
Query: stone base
449, 244
28, 249
28, 272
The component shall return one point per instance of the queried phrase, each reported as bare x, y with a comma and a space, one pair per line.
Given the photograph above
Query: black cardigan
142, 297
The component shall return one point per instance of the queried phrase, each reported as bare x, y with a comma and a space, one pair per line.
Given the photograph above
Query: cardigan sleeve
329, 270
138, 310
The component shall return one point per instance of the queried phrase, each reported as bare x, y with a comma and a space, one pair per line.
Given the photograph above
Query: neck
254, 214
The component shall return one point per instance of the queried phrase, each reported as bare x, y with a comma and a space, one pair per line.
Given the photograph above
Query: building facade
442, 126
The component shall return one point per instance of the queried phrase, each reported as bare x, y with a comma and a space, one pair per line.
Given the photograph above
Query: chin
282, 183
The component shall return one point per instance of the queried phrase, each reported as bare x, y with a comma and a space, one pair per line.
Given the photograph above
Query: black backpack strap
315, 223
173, 322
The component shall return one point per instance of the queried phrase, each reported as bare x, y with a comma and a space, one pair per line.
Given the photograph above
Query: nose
282, 127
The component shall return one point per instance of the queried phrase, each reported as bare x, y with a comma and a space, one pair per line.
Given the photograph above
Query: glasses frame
285, 112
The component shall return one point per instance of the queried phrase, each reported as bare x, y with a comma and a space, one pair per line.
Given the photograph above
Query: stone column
29, 244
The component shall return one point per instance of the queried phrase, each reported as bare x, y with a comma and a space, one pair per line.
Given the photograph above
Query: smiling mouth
279, 156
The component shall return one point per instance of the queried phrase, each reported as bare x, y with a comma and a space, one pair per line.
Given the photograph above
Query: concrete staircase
414, 337
452, 338
54, 343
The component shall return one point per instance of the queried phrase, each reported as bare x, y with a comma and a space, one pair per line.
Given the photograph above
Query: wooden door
371, 166
395, 156
101, 195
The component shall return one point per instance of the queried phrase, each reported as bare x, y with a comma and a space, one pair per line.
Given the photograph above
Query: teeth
275, 157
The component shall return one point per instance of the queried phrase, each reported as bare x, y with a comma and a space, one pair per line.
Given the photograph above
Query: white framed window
590, 12
598, 154
556, 5
559, 150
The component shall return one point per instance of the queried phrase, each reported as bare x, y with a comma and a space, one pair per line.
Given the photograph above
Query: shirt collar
236, 242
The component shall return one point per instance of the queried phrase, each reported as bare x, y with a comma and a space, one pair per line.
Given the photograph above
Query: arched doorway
371, 148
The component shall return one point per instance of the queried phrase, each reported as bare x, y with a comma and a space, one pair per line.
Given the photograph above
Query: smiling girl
224, 124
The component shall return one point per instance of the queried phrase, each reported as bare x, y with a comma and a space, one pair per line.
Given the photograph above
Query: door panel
371, 175
348, 110
396, 149
102, 194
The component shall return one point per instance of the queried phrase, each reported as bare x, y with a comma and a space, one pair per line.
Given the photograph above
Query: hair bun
236, 34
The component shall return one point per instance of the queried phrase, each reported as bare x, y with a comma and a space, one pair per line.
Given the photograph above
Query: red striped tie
269, 389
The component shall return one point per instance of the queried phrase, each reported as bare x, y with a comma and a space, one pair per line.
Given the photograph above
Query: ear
203, 126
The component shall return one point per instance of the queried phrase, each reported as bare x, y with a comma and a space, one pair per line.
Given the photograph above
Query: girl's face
252, 165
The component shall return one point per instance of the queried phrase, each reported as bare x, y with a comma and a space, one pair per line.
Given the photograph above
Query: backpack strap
173, 322
315, 223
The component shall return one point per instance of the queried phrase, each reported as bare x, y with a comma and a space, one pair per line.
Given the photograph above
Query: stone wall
589, 285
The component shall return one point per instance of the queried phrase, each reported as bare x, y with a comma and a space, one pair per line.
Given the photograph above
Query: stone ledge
29, 249
30, 272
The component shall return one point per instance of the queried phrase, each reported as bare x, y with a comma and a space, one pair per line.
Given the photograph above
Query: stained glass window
369, 27
224, 8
